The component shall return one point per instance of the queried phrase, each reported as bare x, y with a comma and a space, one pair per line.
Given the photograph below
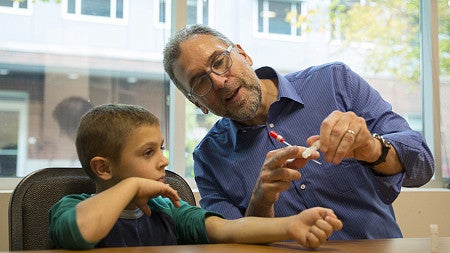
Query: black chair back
32, 199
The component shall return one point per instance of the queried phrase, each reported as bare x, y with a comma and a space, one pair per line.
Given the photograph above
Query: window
13, 146
280, 17
380, 40
162, 20
54, 70
197, 12
338, 10
16, 7
58, 58
443, 31
112, 11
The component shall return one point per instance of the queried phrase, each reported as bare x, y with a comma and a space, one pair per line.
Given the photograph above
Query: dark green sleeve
189, 220
64, 230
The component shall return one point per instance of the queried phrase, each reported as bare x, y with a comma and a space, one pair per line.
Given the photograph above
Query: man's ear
244, 55
100, 166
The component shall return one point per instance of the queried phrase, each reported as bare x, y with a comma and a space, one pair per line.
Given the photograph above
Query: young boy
120, 147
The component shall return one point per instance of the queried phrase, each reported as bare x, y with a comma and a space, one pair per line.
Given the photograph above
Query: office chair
178, 183
32, 199
37, 192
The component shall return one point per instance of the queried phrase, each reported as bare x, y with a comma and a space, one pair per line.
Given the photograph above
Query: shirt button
303, 186
271, 125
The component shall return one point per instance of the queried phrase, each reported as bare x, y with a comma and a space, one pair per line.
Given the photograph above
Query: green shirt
166, 225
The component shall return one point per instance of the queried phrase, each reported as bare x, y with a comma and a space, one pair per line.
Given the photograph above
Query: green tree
392, 28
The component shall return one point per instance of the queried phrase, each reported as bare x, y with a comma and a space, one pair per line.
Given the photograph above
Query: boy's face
142, 155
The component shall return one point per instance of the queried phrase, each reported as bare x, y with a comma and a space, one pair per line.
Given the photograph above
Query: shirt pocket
347, 177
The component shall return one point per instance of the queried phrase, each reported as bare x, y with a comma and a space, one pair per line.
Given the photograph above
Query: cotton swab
307, 153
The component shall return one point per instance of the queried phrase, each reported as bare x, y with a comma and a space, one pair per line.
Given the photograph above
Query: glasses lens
221, 63
202, 86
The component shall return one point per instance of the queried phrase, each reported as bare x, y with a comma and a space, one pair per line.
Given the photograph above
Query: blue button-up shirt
228, 160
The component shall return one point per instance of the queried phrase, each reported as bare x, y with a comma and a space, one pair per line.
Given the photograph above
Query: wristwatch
385, 147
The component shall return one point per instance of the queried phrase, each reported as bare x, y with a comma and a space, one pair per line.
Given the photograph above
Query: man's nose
218, 81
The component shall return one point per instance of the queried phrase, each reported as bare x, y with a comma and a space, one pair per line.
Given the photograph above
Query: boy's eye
163, 147
148, 152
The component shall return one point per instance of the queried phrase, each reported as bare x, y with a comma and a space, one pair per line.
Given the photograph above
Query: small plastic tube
313, 148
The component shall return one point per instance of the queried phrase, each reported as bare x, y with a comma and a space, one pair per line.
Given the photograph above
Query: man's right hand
279, 169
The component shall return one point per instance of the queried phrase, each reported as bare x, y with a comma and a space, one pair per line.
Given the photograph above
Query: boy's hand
313, 226
150, 189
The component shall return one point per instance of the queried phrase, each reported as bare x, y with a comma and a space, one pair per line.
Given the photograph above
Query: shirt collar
285, 87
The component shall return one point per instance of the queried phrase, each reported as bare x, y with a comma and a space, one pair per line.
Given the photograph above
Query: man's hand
345, 135
279, 169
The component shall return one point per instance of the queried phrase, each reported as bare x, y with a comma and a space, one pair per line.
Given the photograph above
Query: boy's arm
97, 215
310, 228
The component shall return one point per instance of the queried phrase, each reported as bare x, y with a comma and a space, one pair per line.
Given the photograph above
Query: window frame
166, 24
112, 19
266, 34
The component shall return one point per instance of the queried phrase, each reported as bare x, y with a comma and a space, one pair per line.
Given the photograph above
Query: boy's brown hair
104, 130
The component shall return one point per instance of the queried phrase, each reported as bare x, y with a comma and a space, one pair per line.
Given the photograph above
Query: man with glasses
367, 152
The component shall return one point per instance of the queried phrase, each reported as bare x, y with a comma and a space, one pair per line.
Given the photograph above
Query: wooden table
403, 245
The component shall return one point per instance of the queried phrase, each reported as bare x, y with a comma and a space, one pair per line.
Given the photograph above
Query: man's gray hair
172, 48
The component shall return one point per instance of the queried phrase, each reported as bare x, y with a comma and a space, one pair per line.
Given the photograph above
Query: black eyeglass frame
226, 53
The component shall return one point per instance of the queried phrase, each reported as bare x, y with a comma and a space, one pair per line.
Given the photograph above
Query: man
368, 152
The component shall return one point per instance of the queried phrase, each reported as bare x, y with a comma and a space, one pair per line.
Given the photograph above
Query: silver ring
351, 132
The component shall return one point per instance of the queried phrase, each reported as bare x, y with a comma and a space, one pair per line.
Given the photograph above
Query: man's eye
218, 63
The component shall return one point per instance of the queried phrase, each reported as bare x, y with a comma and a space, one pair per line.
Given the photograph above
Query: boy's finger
335, 222
172, 194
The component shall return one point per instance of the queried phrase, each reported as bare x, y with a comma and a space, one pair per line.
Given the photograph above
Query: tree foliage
392, 28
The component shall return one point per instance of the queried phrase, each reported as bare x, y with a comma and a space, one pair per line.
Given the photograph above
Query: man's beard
248, 110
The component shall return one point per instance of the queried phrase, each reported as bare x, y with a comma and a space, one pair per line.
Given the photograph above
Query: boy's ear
100, 166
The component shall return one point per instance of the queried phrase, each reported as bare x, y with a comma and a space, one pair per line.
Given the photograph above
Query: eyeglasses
219, 66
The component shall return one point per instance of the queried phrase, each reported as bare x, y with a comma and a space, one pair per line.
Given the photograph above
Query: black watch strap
385, 147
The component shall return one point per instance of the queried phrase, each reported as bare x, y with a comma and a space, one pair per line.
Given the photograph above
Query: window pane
378, 39
382, 43
280, 17
191, 12
262, 15
96, 7
162, 11
444, 60
6, 3
9, 141
278, 22
23, 4
71, 6
205, 12
50, 77
119, 10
